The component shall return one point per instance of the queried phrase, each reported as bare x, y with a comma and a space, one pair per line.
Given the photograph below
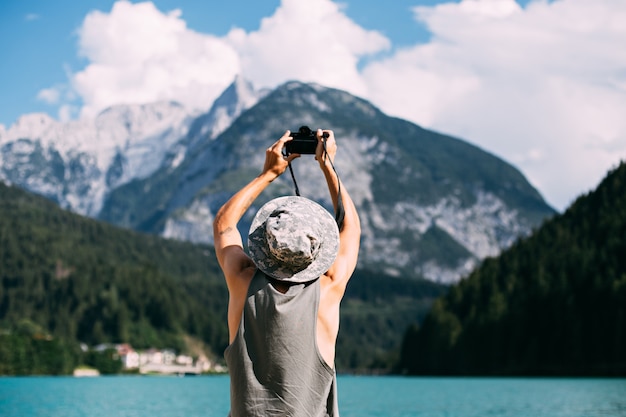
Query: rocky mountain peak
28, 126
431, 205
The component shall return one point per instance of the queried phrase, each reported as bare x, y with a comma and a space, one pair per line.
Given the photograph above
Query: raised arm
226, 237
350, 232
237, 266
334, 282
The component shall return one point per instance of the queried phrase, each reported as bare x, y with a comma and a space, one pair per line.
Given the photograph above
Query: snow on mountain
237, 98
141, 135
430, 205
82, 153
78, 163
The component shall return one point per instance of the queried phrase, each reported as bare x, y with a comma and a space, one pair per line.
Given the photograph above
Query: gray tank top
274, 364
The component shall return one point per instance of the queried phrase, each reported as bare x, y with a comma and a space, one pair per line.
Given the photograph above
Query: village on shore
154, 362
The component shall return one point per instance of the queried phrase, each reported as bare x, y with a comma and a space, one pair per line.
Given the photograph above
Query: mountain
552, 304
66, 279
431, 205
75, 164
78, 163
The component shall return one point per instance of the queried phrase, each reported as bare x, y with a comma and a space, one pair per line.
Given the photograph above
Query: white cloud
66, 112
543, 87
311, 41
138, 54
49, 95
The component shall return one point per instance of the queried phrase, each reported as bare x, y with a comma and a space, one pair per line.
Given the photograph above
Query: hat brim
262, 257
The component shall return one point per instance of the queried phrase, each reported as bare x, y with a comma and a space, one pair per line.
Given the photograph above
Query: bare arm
237, 266
225, 233
350, 233
334, 282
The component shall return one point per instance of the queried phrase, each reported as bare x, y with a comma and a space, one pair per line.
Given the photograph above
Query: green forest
553, 304
66, 280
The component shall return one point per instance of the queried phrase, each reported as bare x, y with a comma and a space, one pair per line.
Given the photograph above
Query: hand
275, 162
322, 155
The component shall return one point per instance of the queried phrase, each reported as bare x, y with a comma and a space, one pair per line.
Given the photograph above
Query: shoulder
239, 282
332, 288
344, 265
236, 265
234, 256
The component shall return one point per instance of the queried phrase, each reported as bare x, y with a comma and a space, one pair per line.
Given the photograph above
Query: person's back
283, 312
272, 361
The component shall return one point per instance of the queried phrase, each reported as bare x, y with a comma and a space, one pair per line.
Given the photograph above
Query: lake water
208, 396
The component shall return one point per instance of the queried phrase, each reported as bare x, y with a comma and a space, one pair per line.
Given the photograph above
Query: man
283, 309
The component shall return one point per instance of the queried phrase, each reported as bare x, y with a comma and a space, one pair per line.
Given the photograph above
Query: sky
538, 83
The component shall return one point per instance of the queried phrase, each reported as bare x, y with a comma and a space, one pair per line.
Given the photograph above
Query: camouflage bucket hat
293, 239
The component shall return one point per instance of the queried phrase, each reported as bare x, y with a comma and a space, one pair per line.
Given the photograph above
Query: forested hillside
553, 304
81, 280
66, 279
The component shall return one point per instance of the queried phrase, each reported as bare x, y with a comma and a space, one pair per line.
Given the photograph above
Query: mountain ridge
363, 135
432, 205
552, 304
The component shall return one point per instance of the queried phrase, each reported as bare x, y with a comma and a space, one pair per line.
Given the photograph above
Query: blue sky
540, 83
40, 40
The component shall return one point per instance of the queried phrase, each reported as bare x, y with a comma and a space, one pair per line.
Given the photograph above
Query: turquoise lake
359, 396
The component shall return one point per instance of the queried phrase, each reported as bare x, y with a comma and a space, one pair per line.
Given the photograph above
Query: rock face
430, 205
